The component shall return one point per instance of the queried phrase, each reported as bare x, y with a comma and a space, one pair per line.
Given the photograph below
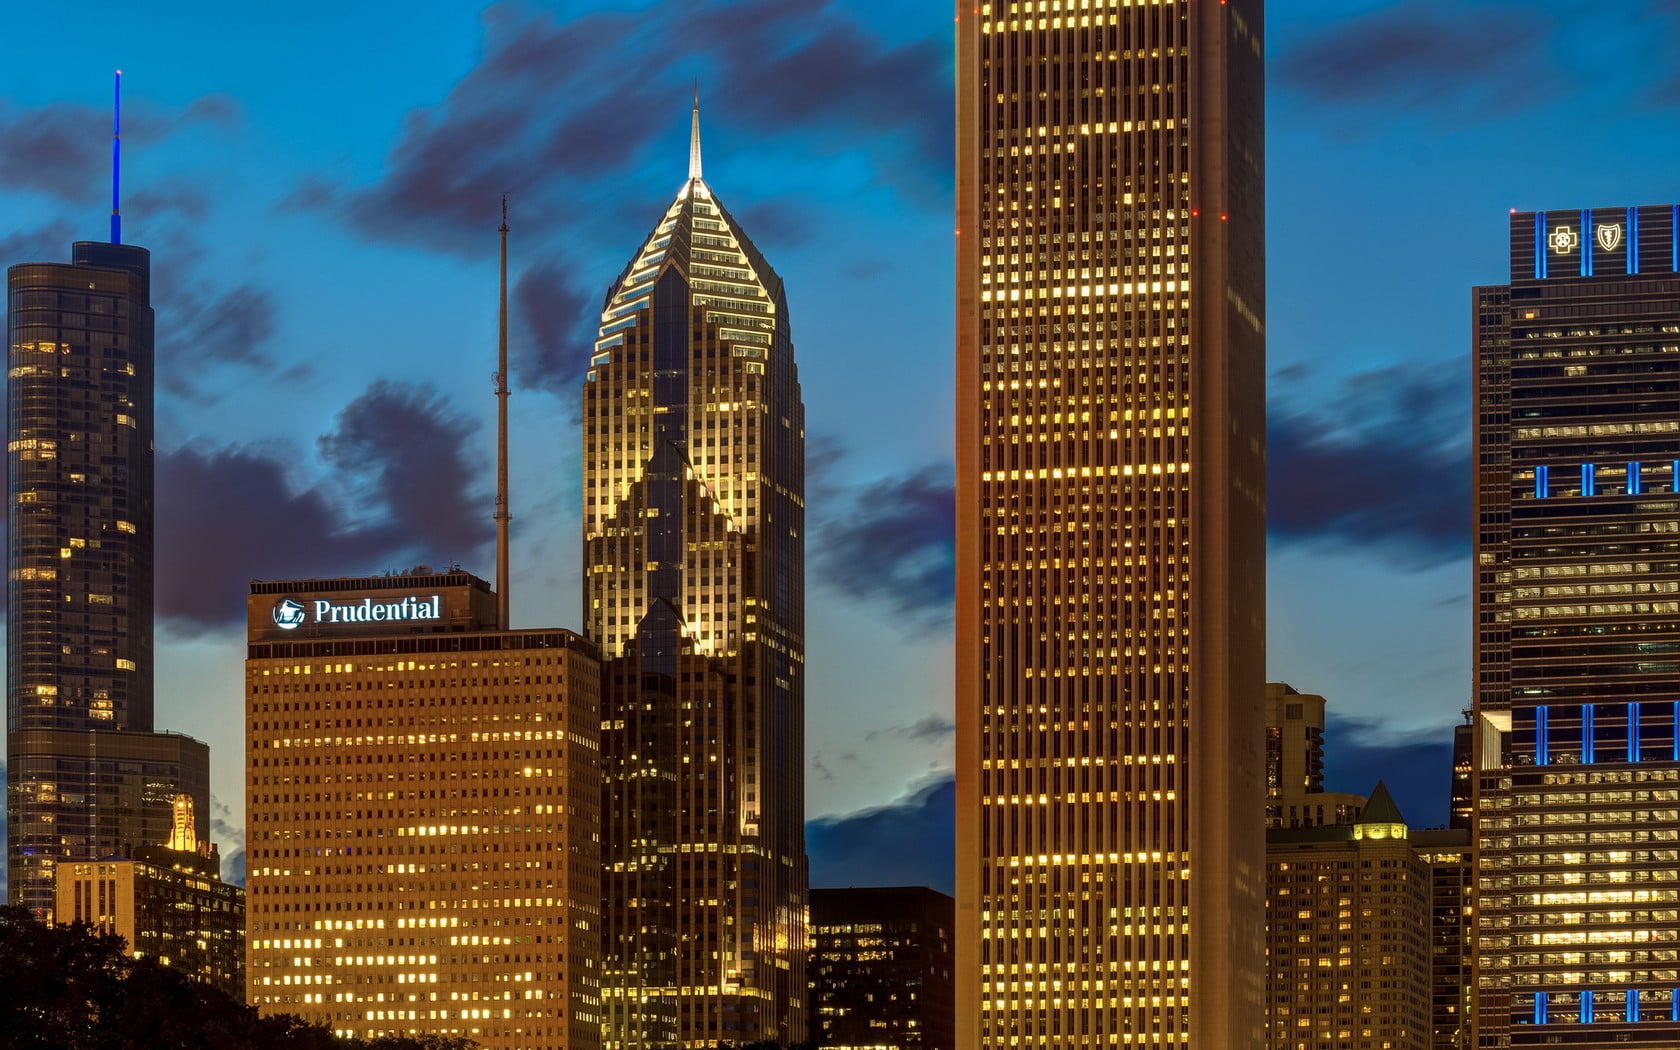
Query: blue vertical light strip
1540, 1005
1586, 1006
1674, 1005
1542, 746
1633, 241
1674, 240
1633, 1004
1633, 478
1677, 733
1588, 488
1586, 243
1586, 734
1674, 476
1540, 244
1633, 731
1543, 483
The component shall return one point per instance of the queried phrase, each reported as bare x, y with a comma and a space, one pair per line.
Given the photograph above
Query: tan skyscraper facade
422, 814
1110, 524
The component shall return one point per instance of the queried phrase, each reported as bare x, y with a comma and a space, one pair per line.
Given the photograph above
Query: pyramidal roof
702, 241
1381, 808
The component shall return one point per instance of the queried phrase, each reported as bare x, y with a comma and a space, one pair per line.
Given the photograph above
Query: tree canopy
72, 988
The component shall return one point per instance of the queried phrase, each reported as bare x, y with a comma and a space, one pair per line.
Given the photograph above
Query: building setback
422, 815
693, 586
86, 776
1577, 583
881, 969
1110, 589
1295, 795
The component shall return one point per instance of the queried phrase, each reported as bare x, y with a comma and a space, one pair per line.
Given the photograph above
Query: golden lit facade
1348, 935
422, 814
1110, 524
1577, 655
167, 903
694, 589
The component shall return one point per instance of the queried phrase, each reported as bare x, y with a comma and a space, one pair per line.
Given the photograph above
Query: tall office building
86, 776
1348, 935
881, 969
1110, 523
421, 814
1577, 807
693, 512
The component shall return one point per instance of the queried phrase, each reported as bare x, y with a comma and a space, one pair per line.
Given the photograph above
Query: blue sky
319, 186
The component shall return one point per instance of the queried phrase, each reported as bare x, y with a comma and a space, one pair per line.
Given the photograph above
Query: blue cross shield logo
1609, 235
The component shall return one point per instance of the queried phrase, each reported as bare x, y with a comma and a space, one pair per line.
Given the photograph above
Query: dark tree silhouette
72, 988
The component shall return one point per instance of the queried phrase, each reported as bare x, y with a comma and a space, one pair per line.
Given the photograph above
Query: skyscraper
1110, 524
1577, 583
86, 777
693, 513
421, 814
1349, 934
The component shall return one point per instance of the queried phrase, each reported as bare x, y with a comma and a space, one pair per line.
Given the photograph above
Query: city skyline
218, 145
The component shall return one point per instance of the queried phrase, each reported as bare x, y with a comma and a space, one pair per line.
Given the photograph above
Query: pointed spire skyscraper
693, 508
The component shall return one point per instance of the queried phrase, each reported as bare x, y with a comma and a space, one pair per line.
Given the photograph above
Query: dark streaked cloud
407, 450
1386, 468
931, 728
895, 543
557, 320
46, 244
1476, 57
908, 843
227, 516
1417, 767
63, 149
556, 111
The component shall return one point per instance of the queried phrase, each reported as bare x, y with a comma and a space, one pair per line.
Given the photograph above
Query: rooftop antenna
694, 138
116, 158
502, 516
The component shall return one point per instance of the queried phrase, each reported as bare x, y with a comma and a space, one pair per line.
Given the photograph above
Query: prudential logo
289, 614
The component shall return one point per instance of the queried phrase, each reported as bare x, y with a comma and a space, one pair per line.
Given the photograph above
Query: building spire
502, 516
116, 157
694, 138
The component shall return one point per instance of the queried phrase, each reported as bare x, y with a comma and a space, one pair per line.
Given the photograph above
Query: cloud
557, 111
557, 320
1387, 467
214, 328
227, 516
1487, 57
409, 451
1417, 767
909, 843
896, 543
62, 149
931, 728
46, 244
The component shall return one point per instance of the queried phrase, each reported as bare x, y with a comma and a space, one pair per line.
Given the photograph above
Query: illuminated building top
1595, 242
693, 514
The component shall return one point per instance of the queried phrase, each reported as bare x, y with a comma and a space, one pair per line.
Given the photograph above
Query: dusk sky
319, 186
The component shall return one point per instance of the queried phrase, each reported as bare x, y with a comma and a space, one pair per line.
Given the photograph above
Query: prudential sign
290, 613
